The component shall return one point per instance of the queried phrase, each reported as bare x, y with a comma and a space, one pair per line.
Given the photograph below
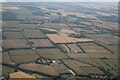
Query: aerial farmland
58, 41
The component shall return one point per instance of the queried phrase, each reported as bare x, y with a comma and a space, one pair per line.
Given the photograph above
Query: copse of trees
8, 15
108, 18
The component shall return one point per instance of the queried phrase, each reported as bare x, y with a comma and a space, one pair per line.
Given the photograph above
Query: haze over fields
62, 0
